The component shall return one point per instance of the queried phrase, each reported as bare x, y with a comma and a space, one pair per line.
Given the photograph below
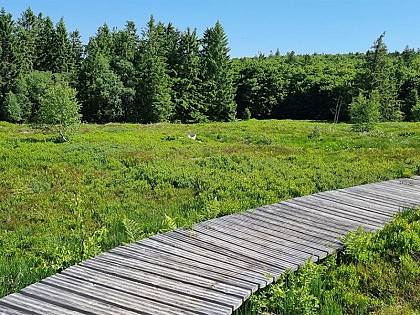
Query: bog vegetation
112, 184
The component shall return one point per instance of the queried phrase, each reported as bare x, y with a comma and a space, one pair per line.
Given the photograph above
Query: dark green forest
160, 73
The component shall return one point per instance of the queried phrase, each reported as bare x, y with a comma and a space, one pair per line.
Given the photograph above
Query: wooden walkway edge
215, 267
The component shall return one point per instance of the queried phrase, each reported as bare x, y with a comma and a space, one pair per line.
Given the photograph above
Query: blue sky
252, 26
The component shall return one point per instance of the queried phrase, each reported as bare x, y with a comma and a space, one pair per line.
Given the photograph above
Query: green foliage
189, 107
217, 90
11, 110
415, 111
58, 111
133, 230
154, 89
115, 183
10, 59
295, 293
101, 89
379, 80
364, 112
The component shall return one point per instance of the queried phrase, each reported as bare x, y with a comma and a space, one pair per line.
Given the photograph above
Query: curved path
215, 267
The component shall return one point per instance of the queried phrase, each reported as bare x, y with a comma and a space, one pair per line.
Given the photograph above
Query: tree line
161, 73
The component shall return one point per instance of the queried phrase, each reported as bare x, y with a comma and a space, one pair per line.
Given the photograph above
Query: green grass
64, 202
378, 273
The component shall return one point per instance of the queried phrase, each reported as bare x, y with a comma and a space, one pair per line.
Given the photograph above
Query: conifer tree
10, 63
153, 89
100, 89
45, 40
63, 60
187, 84
77, 48
218, 91
27, 38
380, 78
125, 48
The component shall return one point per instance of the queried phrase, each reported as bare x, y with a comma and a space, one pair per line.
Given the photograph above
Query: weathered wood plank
413, 193
136, 289
237, 246
6, 310
282, 221
180, 282
342, 215
186, 257
98, 300
256, 247
281, 224
299, 218
351, 211
405, 186
211, 250
332, 223
381, 194
206, 296
357, 203
196, 268
395, 206
253, 233
33, 305
150, 301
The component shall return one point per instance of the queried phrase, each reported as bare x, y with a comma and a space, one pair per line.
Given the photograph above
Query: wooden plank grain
189, 240
352, 211
283, 221
256, 247
254, 220
136, 289
411, 194
343, 216
330, 223
382, 195
345, 199
33, 305
179, 282
196, 268
8, 310
130, 301
304, 220
273, 240
195, 257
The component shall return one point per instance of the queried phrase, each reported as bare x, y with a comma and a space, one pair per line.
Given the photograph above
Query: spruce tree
10, 62
27, 39
100, 89
153, 89
125, 48
380, 77
218, 91
45, 41
188, 102
77, 48
63, 60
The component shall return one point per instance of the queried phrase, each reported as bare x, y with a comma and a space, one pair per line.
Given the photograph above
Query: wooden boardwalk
213, 268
